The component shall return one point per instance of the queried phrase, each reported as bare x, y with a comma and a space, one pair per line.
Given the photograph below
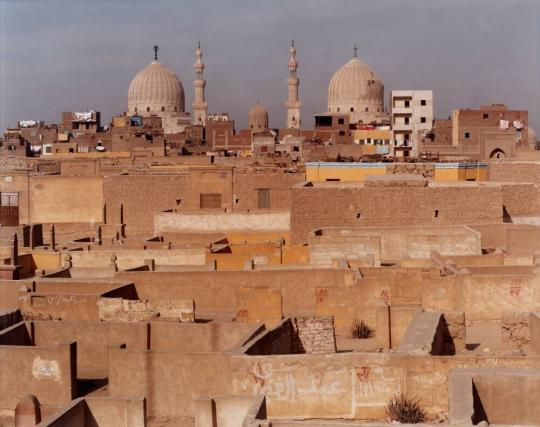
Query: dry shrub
405, 410
361, 330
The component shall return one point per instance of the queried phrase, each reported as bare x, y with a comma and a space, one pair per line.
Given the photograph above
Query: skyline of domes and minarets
354, 88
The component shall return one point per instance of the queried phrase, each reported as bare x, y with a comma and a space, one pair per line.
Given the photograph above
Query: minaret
293, 104
199, 106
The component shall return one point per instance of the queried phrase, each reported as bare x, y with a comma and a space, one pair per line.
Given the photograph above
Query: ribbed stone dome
155, 89
356, 89
258, 117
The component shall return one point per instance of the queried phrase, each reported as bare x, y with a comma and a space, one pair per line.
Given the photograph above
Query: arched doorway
497, 154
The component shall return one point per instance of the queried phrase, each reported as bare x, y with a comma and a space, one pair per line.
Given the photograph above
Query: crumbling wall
515, 333
426, 170
455, 321
534, 331
216, 292
119, 309
315, 334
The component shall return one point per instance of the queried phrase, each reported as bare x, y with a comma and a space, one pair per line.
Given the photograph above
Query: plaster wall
221, 222
58, 199
353, 205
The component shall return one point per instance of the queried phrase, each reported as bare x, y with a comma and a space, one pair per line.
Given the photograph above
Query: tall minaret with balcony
199, 106
293, 104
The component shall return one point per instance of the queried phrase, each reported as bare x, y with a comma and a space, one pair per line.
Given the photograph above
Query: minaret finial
355, 49
199, 44
292, 43
156, 48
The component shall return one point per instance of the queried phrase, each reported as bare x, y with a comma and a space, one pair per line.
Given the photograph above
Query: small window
352, 109
210, 201
436, 213
175, 109
341, 133
71, 150
338, 109
147, 109
162, 109
423, 102
485, 116
341, 121
263, 198
332, 179
407, 104
422, 119
467, 135
406, 120
264, 149
296, 148
367, 109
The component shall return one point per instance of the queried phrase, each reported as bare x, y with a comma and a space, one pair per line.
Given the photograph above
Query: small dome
155, 89
258, 118
356, 89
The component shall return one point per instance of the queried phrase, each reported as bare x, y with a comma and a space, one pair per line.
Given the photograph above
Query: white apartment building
411, 112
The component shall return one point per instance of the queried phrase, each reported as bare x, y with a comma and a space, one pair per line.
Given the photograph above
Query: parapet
404, 180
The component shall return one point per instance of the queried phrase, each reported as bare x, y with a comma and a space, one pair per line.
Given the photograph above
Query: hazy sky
73, 55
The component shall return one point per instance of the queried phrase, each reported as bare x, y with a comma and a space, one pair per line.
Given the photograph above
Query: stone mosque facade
354, 89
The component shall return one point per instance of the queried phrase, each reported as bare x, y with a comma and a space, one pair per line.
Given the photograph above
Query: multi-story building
412, 111
491, 131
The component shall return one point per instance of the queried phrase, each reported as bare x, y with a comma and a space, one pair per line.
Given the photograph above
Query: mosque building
157, 91
356, 89
258, 119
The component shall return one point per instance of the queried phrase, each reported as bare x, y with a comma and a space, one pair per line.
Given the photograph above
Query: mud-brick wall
521, 199
315, 334
248, 182
358, 206
142, 196
515, 171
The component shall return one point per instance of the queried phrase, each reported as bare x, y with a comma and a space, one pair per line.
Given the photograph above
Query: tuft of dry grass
361, 330
405, 410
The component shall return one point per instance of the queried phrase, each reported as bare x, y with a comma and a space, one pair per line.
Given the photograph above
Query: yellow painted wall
343, 173
371, 134
461, 174
47, 260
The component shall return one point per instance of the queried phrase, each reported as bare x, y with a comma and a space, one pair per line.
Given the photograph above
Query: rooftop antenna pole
156, 48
